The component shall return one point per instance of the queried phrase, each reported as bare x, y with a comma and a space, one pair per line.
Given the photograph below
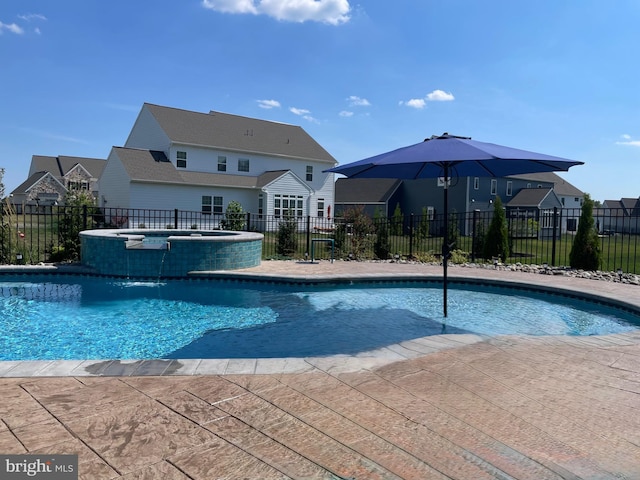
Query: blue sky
554, 76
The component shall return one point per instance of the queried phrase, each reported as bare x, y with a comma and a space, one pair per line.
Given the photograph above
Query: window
243, 164
562, 200
217, 204
309, 173
206, 204
547, 219
181, 159
81, 185
528, 185
288, 204
509, 188
211, 204
476, 183
494, 186
222, 164
320, 206
260, 205
431, 213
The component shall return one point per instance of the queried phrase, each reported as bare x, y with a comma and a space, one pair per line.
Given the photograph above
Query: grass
617, 251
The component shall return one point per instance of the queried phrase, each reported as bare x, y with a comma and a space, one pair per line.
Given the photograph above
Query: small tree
496, 241
234, 217
585, 252
397, 222
423, 226
71, 223
357, 227
453, 229
286, 237
382, 246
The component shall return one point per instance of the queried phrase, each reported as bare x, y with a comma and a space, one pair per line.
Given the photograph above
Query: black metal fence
535, 237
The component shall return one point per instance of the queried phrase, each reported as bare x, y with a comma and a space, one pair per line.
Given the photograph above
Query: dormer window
181, 159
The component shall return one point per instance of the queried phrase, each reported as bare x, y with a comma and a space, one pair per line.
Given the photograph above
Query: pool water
94, 318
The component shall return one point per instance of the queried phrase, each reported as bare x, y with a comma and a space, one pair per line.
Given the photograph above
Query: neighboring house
50, 178
467, 194
179, 159
618, 216
376, 194
531, 213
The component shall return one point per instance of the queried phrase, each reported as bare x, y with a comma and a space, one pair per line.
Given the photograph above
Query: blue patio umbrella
448, 156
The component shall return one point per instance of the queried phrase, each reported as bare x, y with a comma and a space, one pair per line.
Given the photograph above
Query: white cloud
11, 27
439, 96
628, 141
417, 103
32, 16
435, 96
333, 12
345, 113
355, 101
299, 111
268, 104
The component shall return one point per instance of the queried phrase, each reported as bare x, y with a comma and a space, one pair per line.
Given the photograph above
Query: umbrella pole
445, 244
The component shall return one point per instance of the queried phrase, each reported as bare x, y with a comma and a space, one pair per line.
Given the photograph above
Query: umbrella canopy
460, 156
449, 156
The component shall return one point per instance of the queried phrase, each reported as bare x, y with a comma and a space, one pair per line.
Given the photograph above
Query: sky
559, 77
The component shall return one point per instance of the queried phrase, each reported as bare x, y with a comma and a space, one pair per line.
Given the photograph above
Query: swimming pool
69, 317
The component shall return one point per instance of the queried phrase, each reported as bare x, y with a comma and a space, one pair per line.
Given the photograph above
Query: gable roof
34, 179
233, 132
59, 166
623, 207
531, 197
365, 190
560, 185
154, 167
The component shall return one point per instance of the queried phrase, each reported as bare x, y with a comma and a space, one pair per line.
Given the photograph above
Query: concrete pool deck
467, 407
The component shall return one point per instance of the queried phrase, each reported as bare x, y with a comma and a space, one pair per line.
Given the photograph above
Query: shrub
234, 217
397, 222
496, 241
382, 246
585, 252
286, 237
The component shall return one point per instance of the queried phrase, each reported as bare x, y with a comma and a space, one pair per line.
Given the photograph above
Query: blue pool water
94, 318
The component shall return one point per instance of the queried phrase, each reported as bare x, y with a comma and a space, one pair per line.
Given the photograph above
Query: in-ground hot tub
163, 253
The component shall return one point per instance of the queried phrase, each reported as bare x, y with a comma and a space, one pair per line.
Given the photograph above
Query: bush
382, 246
234, 217
359, 225
286, 237
496, 241
585, 252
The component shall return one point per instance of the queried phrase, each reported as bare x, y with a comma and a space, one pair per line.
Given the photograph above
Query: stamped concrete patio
442, 407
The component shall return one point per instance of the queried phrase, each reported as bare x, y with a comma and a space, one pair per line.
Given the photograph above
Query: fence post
411, 220
555, 232
474, 222
308, 233
248, 222
84, 217
175, 218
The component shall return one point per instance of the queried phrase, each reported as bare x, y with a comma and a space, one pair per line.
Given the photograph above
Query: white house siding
147, 134
114, 184
186, 198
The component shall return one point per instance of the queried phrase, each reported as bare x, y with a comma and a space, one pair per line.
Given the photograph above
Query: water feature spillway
164, 253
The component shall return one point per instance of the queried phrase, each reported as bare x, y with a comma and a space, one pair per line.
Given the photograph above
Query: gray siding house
618, 216
467, 194
200, 162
